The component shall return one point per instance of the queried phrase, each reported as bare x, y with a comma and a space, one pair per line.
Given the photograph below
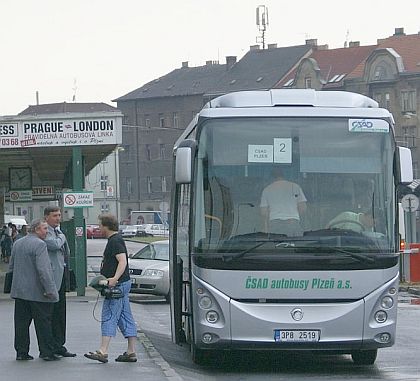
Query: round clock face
20, 178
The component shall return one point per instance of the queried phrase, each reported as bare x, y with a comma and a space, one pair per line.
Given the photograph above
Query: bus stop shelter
59, 150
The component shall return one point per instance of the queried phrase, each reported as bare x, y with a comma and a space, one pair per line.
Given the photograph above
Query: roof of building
335, 64
407, 46
64, 107
260, 69
183, 81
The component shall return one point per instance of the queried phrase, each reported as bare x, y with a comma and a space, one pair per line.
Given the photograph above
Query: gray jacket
57, 246
32, 272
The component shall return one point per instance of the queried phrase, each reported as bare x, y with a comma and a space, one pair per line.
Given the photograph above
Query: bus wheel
364, 357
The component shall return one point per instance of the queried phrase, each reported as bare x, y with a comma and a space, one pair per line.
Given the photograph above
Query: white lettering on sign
260, 153
64, 132
283, 150
78, 199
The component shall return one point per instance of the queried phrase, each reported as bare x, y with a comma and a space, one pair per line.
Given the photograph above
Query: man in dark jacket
34, 291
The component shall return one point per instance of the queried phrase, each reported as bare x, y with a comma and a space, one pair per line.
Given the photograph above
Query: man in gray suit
59, 253
34, 291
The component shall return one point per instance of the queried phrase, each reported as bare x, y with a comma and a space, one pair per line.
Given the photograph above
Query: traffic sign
410, 202
78, 199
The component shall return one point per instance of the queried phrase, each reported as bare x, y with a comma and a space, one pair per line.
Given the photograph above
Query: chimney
322, 47
272, 46
254, 47
399, 32
230, 61
354, 44
185, 64
311, 42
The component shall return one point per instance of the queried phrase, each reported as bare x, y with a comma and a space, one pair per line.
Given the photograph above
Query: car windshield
302, 184
157, 252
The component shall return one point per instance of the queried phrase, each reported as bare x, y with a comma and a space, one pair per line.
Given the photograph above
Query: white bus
325, 279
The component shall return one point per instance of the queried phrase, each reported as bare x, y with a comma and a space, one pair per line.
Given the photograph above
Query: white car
149, 270
129, 231
156, 230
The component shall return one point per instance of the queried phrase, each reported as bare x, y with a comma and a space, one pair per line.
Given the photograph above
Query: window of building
104, 208
149, 185
161, 120
146, 120
408, 101
175, 120
163, 182
104, 182
415, 170
378, 98
308, 83
129, 186
409, 136
387, 104
162, 151
148, 152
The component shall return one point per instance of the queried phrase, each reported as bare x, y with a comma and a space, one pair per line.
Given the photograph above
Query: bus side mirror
183, 165
404, 166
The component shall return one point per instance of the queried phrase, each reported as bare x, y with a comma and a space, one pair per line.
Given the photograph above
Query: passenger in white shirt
282, 205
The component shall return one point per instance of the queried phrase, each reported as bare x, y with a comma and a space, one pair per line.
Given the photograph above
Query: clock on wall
20, 178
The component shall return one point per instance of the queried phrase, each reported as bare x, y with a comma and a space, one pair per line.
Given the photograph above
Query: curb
159, 361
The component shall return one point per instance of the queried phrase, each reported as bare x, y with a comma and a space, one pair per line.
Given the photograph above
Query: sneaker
125, 357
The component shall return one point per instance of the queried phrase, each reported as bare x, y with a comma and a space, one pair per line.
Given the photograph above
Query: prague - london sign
60, 132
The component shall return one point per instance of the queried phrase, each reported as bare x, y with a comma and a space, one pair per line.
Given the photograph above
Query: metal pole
80, 241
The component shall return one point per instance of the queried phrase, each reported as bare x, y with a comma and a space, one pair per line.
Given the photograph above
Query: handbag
8, 282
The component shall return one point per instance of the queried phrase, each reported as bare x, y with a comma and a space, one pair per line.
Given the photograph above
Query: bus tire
366, 357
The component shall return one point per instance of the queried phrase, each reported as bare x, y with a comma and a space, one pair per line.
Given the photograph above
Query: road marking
167, 370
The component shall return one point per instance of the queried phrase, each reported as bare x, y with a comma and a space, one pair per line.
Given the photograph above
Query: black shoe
52, 357
24, 357
65, 354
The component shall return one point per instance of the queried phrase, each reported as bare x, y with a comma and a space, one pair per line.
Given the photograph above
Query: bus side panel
221, 330
372, 305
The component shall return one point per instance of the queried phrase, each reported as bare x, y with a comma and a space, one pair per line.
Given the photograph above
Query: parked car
93, 231
156, 229
129, 231
149, 270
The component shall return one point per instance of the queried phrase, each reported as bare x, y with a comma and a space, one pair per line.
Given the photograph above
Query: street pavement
83, 335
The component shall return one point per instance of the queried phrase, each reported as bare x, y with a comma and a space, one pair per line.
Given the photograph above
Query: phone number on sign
5, 142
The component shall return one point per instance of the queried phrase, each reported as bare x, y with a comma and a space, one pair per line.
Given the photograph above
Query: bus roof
292, 97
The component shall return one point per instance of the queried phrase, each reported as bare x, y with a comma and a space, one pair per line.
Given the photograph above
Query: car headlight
153, 273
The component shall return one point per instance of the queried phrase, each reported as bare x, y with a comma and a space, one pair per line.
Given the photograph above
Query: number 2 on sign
283, 150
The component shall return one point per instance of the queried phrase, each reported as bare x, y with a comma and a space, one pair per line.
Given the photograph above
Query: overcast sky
107, 48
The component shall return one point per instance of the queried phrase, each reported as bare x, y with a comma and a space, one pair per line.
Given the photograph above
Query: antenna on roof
346, 43
262, 23
74, 90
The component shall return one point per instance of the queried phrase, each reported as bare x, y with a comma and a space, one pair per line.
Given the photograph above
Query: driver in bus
282, 205
358, 222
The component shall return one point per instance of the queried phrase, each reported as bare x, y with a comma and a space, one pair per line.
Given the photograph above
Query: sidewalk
83, 335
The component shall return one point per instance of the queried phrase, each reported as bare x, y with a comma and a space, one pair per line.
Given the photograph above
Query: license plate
296, 336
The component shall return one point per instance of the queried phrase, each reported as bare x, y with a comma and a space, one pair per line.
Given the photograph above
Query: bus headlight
392, 291
212, 317
381, 316
205, 302
387, 302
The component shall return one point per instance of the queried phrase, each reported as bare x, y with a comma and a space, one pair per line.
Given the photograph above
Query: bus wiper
283, 243
352, 254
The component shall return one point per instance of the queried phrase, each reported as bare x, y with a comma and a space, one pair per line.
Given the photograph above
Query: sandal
98, 356
125, 357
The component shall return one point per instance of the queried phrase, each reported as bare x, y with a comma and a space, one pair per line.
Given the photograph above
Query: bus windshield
274, 185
